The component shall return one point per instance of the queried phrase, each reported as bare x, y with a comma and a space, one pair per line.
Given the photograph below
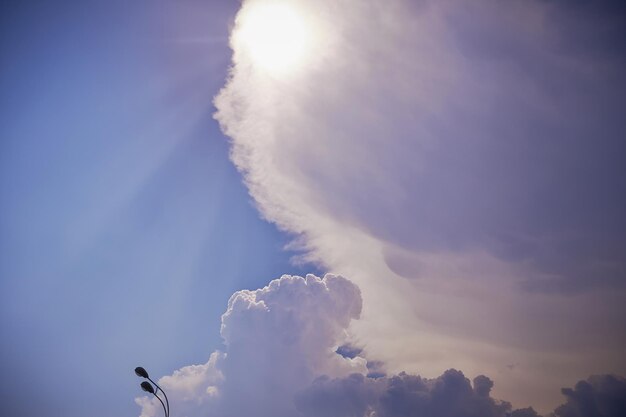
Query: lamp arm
161, 401
167, 414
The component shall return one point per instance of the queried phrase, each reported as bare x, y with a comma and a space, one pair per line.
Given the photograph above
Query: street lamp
147, 387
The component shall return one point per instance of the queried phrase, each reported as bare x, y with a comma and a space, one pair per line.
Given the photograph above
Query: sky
329, 208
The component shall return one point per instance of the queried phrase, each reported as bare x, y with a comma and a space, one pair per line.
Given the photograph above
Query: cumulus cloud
277, 340
451, 394
192, 389
282, 359
463, 164
601, 395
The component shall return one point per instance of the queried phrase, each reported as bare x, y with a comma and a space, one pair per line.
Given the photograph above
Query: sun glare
275, 36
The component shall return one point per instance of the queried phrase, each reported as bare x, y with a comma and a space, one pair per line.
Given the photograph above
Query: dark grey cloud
598, 396
404, 395
351, 396
375, 369
449, 395
524, 412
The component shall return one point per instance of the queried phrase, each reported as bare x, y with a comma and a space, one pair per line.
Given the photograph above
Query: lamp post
147, 387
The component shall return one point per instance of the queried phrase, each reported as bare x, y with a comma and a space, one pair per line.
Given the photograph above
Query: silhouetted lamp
141, 372
148, 387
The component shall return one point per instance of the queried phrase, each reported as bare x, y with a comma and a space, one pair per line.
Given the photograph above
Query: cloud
192, 390
277, 340
474, 137
601, 395
450, 394
463, 164
282, 359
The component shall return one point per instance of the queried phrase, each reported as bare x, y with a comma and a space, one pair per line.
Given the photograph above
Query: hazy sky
456, 167
124, 228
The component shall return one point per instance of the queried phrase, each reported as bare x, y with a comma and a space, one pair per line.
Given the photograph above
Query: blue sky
124, 226
461, 164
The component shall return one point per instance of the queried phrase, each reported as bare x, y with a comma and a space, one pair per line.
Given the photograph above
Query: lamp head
141, 372
147, 387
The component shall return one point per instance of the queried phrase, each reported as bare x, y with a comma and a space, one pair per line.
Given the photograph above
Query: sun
274, 36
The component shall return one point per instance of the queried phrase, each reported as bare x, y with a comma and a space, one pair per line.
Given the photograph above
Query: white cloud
278, 339
446, 157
